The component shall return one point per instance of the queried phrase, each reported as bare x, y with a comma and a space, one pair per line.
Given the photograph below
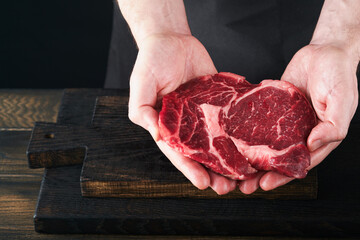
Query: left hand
165, 61
327, 75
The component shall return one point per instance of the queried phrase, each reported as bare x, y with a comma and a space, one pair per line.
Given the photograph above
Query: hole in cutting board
49, 135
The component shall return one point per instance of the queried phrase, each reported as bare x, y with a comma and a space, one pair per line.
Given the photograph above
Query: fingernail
316, 145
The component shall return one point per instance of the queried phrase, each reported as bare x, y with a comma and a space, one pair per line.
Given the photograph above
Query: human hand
164, 62
327, 75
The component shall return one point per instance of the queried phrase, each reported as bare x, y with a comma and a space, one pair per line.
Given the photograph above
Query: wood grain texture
336, 212
12, 154
127, 163
19, 109
67, 145
122, 159
19, 186
77, 105
19, 190
111, 111
141, 173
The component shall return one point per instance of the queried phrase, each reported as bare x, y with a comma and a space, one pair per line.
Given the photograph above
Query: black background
54, 44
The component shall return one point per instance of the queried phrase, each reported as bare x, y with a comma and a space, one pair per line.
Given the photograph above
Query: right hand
164, 62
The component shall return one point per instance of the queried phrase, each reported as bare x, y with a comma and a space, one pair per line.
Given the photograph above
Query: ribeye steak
236, 128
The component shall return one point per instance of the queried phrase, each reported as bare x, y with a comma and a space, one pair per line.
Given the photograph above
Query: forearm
147, 17
339, 25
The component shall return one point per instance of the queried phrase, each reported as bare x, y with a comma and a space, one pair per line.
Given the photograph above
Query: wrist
154, 17
348, 43
339, 26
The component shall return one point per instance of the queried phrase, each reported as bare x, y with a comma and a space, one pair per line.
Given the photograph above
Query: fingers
220, 184
191, 169
196, 173
147, 117
251, 185
321, 153
325, 133
273, 180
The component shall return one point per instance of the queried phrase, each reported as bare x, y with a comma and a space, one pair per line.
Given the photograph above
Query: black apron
255, 39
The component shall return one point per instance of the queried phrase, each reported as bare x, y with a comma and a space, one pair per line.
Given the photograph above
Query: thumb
326, 132
146, 117
143, 97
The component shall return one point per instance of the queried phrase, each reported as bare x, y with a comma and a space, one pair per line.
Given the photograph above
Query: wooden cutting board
62, 209
120, 159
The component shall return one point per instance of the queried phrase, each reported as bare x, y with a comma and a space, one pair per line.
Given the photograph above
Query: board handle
54, 145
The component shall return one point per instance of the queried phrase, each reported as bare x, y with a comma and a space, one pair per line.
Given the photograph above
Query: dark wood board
77, 106
20, 185
122, 160
141, 174
127, 170
336, 212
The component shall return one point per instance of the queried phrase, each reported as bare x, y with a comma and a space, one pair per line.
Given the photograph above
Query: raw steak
236, 128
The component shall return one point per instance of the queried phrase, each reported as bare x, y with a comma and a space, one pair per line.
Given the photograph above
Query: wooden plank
13, 156
77, 105
20, 108
143, 175
125, 162
65, 147
20, 189
224, 216
19, 185
336, 213
111, 111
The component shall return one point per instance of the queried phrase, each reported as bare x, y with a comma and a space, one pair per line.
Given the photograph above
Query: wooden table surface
19, 185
